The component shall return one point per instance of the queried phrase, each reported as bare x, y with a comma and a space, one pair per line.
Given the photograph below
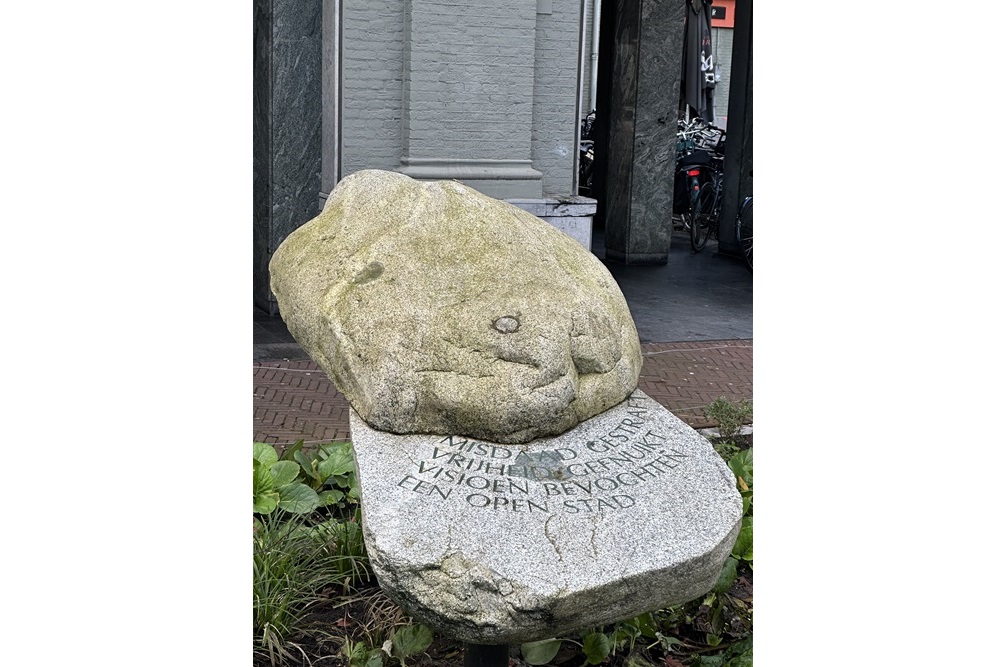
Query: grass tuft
295, 568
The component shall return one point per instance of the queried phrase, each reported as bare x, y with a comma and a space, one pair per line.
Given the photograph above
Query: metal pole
579, 98
487, 655
331, 141
595, 39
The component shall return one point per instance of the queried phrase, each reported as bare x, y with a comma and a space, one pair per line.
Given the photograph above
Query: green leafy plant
729, 416
276, 484
329, 470
359, 654
739, 654
308, 542
722, 618
635, 638
299, 482
540, 652
741, 464
291, 572
410, 640
718, 607
348, 560
596, 647
368, 620
635, 630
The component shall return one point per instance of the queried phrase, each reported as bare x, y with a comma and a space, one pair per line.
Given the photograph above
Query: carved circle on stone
506, 324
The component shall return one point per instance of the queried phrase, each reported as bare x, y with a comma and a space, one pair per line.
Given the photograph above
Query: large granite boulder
437, 309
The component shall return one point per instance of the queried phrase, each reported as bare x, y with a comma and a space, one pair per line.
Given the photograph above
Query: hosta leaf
339, 462
330, 497
727, 576
306, 463
289, 452
297, 498
625, 632
741, 464
264, 453
742, 652
265, 503
353, 488
744, 543
328, 448
715, 618
411, 640
284, 472
646, 625
713, 640
541, 652
596, 646
263, 481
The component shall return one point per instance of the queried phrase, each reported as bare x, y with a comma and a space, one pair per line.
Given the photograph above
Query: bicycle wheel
702, 207
744, 231
586, 176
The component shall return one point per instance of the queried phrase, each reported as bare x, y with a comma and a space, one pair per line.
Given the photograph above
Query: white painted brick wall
522, 91
473, 61
588, 48
557, 41
372, 84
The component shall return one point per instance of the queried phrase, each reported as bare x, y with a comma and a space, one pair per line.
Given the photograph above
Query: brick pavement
294, 400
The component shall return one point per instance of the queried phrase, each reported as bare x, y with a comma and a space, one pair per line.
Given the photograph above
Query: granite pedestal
630, 511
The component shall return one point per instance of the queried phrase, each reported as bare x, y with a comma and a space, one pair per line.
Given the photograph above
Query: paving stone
663, 371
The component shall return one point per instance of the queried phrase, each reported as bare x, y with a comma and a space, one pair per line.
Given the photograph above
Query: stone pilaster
736, 179
468, 76
287, 109
645, 89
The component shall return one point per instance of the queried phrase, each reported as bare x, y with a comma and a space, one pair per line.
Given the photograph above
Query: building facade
488, 93
480, 91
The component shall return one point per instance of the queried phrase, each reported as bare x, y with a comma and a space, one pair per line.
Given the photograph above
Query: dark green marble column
736, 179
643, 102
287, 108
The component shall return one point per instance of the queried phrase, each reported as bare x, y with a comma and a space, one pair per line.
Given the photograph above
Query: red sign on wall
723, 13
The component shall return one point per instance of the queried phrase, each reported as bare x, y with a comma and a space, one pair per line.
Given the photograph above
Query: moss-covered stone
437, 309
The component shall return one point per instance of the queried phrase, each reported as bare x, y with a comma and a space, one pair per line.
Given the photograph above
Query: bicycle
586, 175
705, 189
698, 179
744, 230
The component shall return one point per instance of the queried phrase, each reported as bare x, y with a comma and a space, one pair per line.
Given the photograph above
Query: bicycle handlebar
702, 128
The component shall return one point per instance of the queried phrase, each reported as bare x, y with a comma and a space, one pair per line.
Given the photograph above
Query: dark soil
741, 441
366, 619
